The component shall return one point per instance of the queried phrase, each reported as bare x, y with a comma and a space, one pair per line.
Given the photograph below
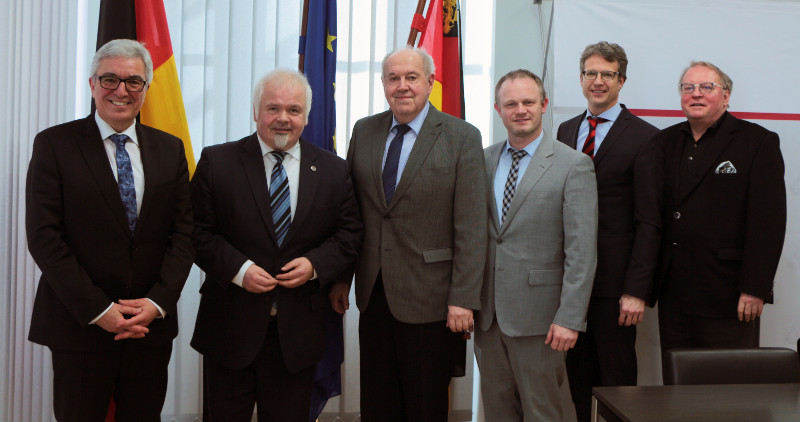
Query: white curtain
221, 48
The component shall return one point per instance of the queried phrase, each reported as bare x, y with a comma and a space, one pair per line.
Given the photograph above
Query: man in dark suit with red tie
109, 223
277, 223
724, 219
626, 167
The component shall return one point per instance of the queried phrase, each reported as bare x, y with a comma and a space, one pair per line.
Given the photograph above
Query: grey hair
428, 67
281, 76
131, 49
727, 83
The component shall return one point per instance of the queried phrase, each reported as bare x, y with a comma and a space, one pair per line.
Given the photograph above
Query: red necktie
588, 145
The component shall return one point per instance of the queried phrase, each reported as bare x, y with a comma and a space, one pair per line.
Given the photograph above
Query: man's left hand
296, 273
561, 338
631, 310
148, 313
750, 307
459, 319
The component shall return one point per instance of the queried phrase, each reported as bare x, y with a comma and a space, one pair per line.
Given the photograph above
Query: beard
281, 141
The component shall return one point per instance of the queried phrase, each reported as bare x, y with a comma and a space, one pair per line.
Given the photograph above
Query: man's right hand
114, 317
256, 280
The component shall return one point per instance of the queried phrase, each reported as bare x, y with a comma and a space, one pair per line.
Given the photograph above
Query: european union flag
318, 46
319, 65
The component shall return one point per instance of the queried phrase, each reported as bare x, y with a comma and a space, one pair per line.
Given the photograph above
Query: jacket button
677, 215
499, 241
386, 217
675, 245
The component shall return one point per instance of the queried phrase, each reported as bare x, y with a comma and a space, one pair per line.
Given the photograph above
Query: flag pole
303, 31
417, 23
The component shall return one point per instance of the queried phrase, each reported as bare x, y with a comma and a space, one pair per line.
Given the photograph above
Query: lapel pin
313, 168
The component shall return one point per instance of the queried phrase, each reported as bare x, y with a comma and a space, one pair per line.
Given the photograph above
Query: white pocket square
725, 168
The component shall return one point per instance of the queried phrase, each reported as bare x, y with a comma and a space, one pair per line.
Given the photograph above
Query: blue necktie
279, 197
127, 189
392, 162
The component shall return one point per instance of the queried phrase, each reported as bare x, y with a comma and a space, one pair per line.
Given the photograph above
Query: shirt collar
416, 123
530, 148
106, 130
612, 114
687, 128
293, 152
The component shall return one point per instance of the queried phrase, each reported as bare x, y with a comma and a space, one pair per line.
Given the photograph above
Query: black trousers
605, 355
281, 396
135, 373
405, 368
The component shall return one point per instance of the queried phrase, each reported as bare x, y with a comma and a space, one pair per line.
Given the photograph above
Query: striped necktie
279, 197
588, 145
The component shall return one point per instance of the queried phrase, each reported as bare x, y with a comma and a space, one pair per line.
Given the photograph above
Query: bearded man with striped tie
277, 222
540, 261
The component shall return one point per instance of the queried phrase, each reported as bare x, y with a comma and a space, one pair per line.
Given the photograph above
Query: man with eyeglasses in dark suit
629, 225
724, 219
109, 224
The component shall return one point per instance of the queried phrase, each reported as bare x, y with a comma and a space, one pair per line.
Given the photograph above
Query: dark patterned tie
588, 145
279, 197
127, 189
392, 162
511, 181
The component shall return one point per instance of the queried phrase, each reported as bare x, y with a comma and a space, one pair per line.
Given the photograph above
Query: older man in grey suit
540, 261
419, 181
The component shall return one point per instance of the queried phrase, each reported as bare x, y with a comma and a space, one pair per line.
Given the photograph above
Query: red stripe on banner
642, 112
152, 30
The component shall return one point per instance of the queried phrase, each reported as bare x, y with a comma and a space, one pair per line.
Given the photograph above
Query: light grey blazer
540, 264
428, 242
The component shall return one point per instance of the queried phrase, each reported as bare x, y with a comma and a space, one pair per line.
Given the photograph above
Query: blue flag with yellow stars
319, 47
319, 65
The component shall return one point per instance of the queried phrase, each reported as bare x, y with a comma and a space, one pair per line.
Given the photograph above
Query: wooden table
698, 403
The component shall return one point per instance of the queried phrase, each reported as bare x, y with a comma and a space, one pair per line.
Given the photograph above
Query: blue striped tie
127, 189
279, 197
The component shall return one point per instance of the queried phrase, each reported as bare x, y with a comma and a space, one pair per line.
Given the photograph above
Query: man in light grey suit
420, 185
540, 261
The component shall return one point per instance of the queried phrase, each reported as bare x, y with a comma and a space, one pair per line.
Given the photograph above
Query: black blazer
234, 223
627, 170
78, 234
723, 233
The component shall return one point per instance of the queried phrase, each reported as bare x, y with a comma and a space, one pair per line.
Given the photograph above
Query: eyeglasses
111, 83
705, 87
607, 75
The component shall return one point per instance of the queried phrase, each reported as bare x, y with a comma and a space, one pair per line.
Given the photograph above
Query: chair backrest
765, 365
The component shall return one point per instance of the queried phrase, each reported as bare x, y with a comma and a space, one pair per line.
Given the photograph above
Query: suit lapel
253, 163
539, 164
428, 134
617, 129
491, 168
151, 163
378, 144
709, 159
94, 153
307, 187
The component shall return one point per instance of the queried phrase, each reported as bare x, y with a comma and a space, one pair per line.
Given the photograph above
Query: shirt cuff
239, 278
102, 313
160, 309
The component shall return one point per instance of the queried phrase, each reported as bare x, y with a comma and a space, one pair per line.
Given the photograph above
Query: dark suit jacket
723, 233
428, 243
627, 168
78, 234
234, 223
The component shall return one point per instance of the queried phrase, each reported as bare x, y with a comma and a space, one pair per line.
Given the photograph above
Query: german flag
146, 22
442, 40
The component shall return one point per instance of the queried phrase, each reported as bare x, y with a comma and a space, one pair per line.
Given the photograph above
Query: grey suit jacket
426, 243
540, 264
